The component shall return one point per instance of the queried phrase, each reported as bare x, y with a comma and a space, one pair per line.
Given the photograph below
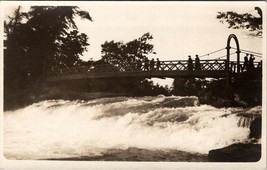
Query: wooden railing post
227, 73
238, 60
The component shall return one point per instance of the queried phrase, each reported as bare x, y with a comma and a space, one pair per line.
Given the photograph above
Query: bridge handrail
233, 65
193, 60
167, 65
170, 65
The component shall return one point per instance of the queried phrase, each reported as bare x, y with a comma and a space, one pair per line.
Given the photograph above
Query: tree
124, 55
243, 21
15, 62
72, 47
44, 37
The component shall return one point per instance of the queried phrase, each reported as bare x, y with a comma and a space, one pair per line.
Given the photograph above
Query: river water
121, 128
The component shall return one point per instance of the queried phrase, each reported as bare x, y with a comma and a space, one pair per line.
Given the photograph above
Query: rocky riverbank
241, 152
21, 99
137, 154
238, 152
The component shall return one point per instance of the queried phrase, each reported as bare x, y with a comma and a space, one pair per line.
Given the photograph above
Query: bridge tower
228, 47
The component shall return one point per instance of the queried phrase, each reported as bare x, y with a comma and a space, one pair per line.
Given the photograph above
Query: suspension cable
212, 52
248, 51
224, 56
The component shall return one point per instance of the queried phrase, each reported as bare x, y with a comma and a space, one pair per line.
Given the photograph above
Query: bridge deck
171, 69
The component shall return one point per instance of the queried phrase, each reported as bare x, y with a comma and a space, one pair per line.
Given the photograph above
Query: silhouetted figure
152, 64
197, 63
158, 63
260, 64
251, 62
190, 63
246, 63
146, 65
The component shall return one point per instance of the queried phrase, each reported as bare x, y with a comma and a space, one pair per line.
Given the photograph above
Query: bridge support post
179, 86
228, 47
227, 73
238, 60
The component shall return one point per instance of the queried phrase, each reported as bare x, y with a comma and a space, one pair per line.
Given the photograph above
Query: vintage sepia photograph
153, 84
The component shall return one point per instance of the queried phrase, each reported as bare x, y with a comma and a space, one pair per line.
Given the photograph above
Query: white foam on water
58, 128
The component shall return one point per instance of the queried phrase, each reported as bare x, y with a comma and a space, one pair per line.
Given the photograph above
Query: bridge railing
180, 65
233, 66
213, 65
172, 65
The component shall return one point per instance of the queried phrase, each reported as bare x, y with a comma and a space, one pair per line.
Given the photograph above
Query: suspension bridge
220, 67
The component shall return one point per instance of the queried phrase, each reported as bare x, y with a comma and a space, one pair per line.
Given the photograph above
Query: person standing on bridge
158, 64
190, 63
197, 63
152, 64
259, 65
251, 62
246, 63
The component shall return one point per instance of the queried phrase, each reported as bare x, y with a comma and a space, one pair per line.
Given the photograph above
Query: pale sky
179, 28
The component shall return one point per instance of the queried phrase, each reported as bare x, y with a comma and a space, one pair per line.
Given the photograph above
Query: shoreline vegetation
23, 99
245, 91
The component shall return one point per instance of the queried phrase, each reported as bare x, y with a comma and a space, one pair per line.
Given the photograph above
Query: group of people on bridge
151, 65
155, 65
249, 63
191, 66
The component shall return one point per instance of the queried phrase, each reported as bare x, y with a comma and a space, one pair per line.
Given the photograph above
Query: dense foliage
243, 21
44, 37
127, 55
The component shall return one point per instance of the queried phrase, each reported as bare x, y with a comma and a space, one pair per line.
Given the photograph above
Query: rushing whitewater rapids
58, 129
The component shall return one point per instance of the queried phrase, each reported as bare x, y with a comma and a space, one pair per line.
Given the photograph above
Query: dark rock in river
236, 153
182, 102
255, 128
